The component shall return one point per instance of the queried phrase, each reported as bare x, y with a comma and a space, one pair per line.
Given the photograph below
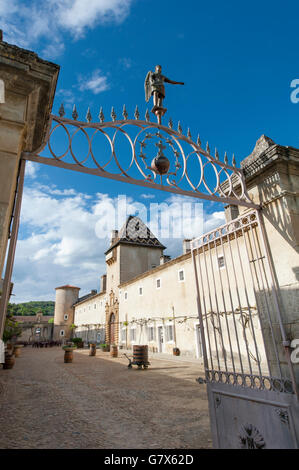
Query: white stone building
147, 298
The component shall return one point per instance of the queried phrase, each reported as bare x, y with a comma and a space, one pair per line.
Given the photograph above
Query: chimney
231, 212
186, 246
103, 283
93, 291
164, 259
114, 236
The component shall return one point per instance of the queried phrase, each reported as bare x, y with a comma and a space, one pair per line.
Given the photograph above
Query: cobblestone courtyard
96, 402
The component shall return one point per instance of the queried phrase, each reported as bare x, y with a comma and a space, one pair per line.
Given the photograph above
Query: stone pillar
29, 88
272, 179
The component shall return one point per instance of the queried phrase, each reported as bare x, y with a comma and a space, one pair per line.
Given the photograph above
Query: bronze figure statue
154, 86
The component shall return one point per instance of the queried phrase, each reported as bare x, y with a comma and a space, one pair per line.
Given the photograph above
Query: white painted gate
250, 382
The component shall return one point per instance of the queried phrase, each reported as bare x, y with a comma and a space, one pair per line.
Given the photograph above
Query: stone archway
112, 332
112, 319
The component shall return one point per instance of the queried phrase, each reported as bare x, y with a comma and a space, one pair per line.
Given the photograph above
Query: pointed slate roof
135, 232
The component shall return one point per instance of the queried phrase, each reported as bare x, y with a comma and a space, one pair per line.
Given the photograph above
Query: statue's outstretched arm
167, 80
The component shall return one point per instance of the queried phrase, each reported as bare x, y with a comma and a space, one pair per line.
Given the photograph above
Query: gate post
272, 180
25, 107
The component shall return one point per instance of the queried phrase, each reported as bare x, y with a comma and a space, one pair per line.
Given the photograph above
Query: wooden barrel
68, 355
17, 351
113, 350
140, 354
93, 349
9, 361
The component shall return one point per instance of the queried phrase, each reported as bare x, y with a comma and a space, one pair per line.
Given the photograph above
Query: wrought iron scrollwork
128, 147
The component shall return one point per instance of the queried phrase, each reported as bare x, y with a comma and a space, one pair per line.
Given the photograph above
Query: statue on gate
154, 85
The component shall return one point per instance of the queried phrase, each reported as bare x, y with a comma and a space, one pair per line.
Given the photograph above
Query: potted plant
78, 342
68, 352
176, 351
12, 330
105, 347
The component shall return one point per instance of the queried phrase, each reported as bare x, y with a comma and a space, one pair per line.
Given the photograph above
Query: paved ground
96, 402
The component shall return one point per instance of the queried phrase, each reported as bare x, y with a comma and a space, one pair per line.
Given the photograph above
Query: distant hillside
31, 308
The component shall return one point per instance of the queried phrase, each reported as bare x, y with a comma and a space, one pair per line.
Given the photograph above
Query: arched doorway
112, 336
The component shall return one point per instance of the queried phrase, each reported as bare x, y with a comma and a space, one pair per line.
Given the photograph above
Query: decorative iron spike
137, 114
180, 130
225, 158
216, 154
113, 114
198, 141
101, 115
88, 115
147, 116
208, 148
170, 123
125, 113
61, 111
75, 113
189, 134
234, 160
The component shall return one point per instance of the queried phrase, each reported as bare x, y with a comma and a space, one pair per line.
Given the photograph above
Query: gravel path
96, 402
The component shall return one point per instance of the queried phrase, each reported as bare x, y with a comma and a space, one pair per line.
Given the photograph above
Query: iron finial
113, 114
216, 154
88, 115
170, 123
125, 113
180, 130
208, 148
75, 113
137, 114
234, 160
189, 134
101, 115
61, 111
147, 116
225, 158
198, 141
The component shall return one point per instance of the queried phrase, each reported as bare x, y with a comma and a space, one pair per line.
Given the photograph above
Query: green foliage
51, 320
77, 340
31, 308
12, 329
73, 326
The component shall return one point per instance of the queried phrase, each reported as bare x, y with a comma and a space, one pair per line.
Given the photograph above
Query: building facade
146, 298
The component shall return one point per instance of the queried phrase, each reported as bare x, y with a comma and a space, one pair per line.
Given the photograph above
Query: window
61, 332
95, 305
126, 295
133, 335
181, 274
169, 333
123, 335
150, 333
158, 283
140, 290
66, 317
221, 263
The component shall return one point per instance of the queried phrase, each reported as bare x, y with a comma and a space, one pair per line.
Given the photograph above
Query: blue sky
237, 61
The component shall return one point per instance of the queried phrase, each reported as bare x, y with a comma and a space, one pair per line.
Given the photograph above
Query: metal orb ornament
160, 165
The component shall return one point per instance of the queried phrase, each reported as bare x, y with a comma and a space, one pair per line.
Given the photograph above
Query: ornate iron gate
251, 388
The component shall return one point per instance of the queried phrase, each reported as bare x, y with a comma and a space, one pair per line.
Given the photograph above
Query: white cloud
59, 243
148, 196
26, 23
31, 169
96, 83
